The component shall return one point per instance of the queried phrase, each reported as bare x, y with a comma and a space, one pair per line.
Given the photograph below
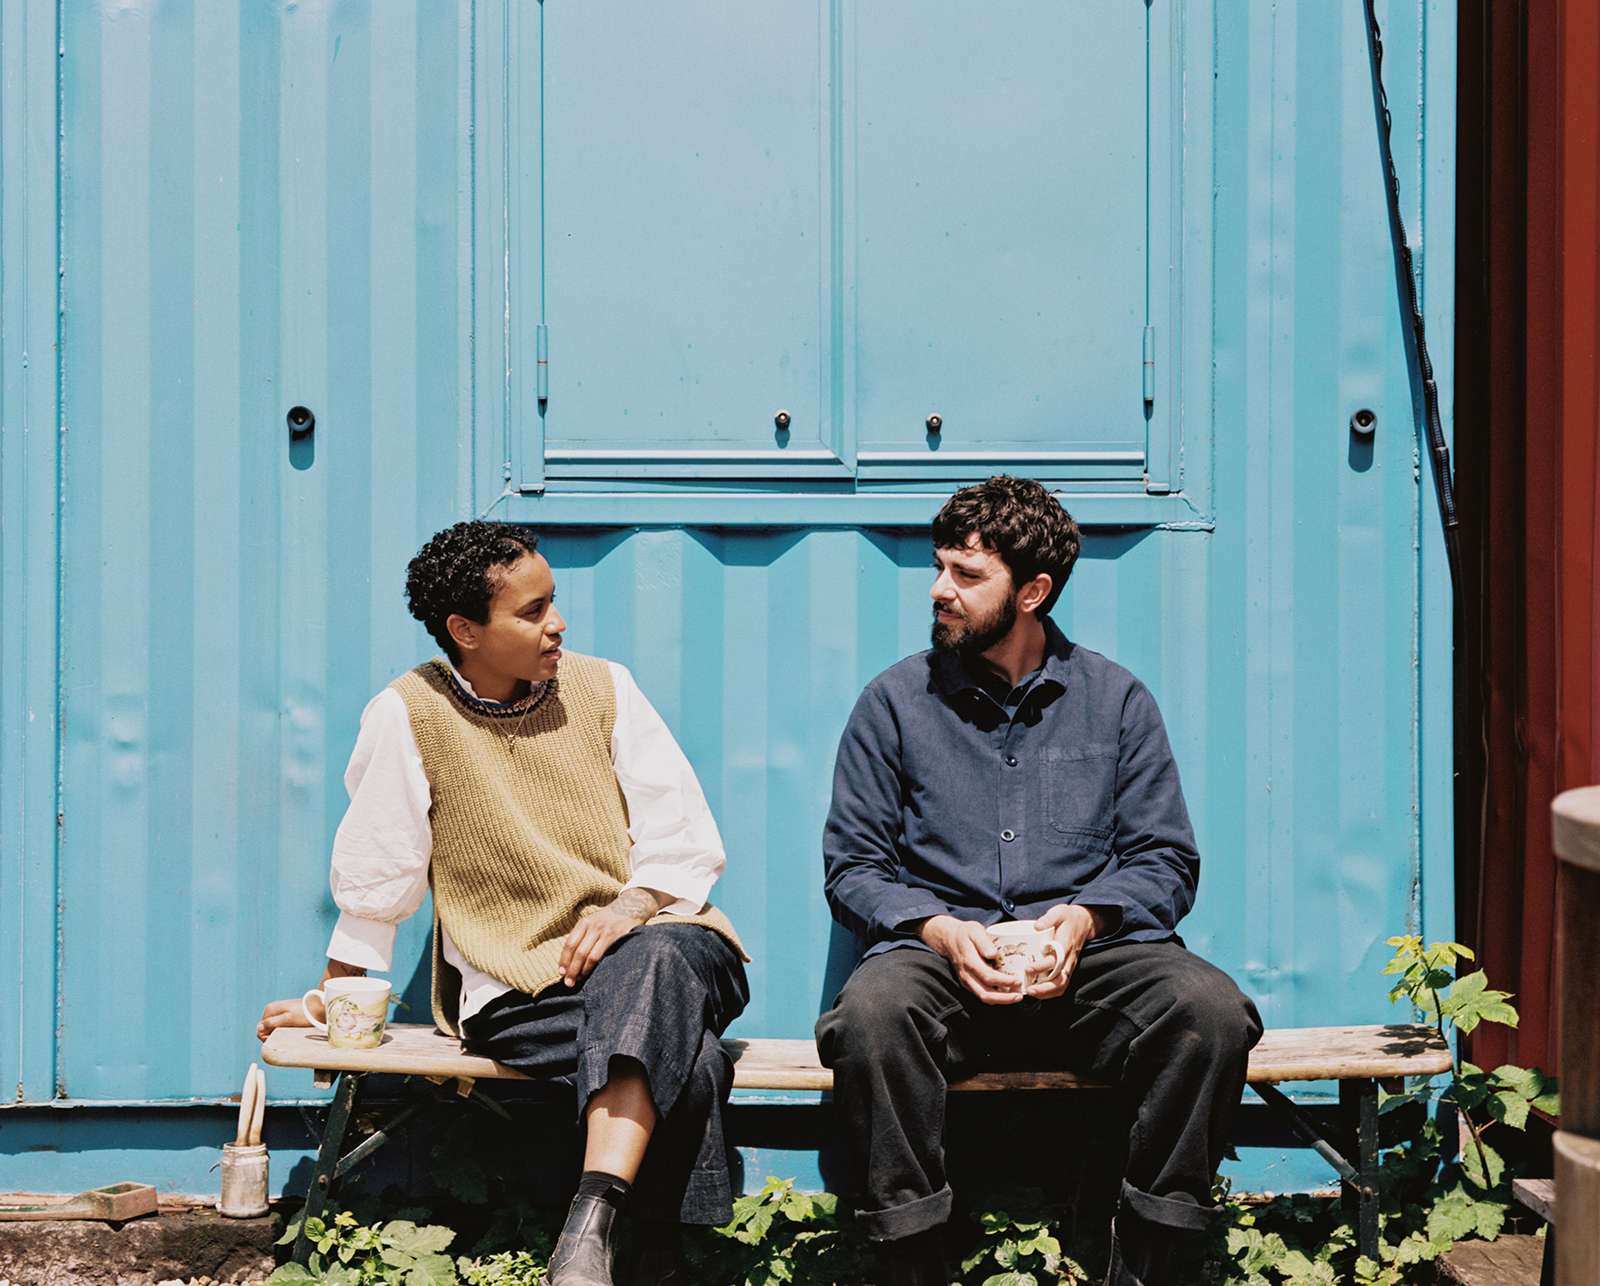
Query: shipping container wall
725, 306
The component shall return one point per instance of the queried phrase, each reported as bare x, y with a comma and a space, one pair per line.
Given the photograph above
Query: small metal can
244, 1181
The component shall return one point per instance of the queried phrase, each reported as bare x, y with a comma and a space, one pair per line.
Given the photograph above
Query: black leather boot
584, 1251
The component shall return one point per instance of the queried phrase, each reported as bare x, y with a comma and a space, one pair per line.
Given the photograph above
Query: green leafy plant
1428, 979
780, 1235
1021, 1249
508, 1268
1430, 1197
479, 1168
349, 1253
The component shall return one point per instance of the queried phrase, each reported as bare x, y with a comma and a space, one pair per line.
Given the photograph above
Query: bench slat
1539, 1195
1284, 1054
1347, 1053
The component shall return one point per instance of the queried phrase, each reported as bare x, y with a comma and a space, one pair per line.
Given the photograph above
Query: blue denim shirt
953, 795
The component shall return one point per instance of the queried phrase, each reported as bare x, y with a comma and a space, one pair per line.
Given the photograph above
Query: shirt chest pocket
1080, 784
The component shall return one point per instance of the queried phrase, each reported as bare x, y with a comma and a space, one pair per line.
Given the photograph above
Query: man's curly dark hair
1021, 521
454, 574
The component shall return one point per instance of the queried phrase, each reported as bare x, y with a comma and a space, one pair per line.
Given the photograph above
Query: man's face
522, 637
974, 604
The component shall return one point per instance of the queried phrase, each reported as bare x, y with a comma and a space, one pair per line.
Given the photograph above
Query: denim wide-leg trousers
662, 995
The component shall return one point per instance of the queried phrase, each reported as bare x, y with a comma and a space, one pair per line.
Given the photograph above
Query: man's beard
973, 638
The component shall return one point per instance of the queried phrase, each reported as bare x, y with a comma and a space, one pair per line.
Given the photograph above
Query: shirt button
1008, 835
1011, 761
1008, 906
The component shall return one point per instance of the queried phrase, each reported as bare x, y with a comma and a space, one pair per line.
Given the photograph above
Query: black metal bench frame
1357, 1113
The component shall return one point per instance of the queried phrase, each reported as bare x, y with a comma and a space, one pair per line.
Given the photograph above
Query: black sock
598, 1183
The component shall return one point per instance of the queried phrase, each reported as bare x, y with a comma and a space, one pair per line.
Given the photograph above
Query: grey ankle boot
584, 1251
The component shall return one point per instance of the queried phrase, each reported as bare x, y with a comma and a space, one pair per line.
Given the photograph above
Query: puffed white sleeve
677, 849
379, 871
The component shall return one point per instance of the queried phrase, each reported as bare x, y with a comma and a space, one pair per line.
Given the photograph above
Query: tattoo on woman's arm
636, 904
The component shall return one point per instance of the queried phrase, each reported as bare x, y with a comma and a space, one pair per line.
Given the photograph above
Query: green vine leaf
1491, 1218
1526, 1081
1481, 1165
1471, 1002
796, 1207
1452, 1219
755, 1227
1300, 1271
432, 1270
1509, 1108
404, 1235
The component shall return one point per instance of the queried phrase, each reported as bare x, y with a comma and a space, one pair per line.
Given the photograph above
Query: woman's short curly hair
1022, 522
454, 574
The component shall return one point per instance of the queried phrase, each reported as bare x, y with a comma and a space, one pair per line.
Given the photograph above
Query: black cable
1438, 448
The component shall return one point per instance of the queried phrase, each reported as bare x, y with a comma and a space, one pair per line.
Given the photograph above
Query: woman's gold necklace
534, 700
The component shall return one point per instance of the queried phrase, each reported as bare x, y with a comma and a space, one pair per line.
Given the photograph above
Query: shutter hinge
541, 361
1149, 365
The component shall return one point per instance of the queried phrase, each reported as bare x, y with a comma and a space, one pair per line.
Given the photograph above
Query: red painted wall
1528, 418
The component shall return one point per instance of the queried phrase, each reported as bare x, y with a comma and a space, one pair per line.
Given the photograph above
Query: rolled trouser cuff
908, 1219
1177, 1213
707, 1200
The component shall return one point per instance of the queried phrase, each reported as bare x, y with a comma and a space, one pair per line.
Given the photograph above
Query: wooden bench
1360, 1059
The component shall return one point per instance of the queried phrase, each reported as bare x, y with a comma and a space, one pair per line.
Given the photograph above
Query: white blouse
384, 844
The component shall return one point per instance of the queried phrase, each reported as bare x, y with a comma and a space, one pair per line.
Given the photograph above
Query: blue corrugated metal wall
343, 206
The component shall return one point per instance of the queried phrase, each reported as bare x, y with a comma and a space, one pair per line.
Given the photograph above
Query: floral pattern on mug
352, 1026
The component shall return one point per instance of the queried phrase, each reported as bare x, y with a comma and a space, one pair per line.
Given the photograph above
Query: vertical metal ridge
30, 559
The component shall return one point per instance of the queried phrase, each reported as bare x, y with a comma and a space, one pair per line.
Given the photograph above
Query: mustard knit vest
530, 828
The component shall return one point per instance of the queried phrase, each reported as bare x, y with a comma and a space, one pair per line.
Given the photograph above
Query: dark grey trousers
1172, 1031
663, 995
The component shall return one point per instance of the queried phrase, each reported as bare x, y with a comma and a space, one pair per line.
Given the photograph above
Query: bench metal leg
333, 1164
1358, 1100
327, 1167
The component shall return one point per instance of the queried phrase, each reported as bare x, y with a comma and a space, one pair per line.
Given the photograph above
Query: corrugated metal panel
272, 206
260, 213
29, 513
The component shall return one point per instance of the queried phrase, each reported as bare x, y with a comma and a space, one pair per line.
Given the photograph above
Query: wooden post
1575, 833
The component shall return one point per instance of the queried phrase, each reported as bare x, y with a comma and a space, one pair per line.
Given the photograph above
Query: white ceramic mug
357, 1010
1029, 953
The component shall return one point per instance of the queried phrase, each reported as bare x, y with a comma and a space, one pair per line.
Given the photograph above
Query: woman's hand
291, 1013
595, 934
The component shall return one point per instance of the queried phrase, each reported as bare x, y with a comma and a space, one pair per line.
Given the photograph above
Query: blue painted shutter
685, 212
999, 237
860, 216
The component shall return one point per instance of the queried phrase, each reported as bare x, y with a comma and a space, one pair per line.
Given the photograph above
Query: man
1010, 774
571, 855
